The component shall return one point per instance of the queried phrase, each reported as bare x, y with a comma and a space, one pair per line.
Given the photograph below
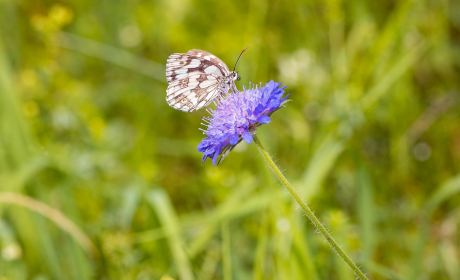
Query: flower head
237, 117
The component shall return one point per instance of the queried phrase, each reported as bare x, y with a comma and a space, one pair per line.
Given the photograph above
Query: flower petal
259, 109
247, 137
264, 119
234, 139
216, 155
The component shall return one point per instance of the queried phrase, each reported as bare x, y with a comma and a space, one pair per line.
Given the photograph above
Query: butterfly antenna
234, 68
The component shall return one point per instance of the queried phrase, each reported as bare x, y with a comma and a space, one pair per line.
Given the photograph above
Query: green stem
307, 210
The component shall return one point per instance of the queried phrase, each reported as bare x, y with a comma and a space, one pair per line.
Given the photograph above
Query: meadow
101, 179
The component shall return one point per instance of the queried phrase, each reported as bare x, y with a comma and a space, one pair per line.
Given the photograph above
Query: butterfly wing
194, 92
212, 58
182, 65
195, 79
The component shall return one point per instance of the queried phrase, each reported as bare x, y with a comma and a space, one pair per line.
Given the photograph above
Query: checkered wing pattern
195, 79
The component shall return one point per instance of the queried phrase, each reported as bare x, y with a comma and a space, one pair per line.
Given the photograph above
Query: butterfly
196, 78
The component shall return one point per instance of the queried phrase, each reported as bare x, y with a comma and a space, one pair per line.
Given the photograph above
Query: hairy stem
307, 210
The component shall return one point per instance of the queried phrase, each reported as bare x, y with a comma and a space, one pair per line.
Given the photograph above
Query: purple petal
247, 137
264, 119
234, 139
216, 155
258, 109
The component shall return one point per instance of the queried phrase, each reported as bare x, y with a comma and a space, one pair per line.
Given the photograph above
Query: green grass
371, 141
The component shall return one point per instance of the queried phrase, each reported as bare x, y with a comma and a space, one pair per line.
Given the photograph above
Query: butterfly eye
239, 78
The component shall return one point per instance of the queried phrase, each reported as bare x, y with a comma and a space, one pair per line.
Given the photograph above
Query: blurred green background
101, 179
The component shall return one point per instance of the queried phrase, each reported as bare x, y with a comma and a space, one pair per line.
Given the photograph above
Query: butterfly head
234, 76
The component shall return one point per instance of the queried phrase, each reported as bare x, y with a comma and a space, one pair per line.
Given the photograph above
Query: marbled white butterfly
196, 78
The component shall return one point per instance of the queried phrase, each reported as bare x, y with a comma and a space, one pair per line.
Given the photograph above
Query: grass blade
160, 202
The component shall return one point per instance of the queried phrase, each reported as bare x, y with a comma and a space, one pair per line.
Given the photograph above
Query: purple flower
237, 117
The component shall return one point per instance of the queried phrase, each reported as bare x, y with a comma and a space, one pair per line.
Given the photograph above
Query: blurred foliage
371, 139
